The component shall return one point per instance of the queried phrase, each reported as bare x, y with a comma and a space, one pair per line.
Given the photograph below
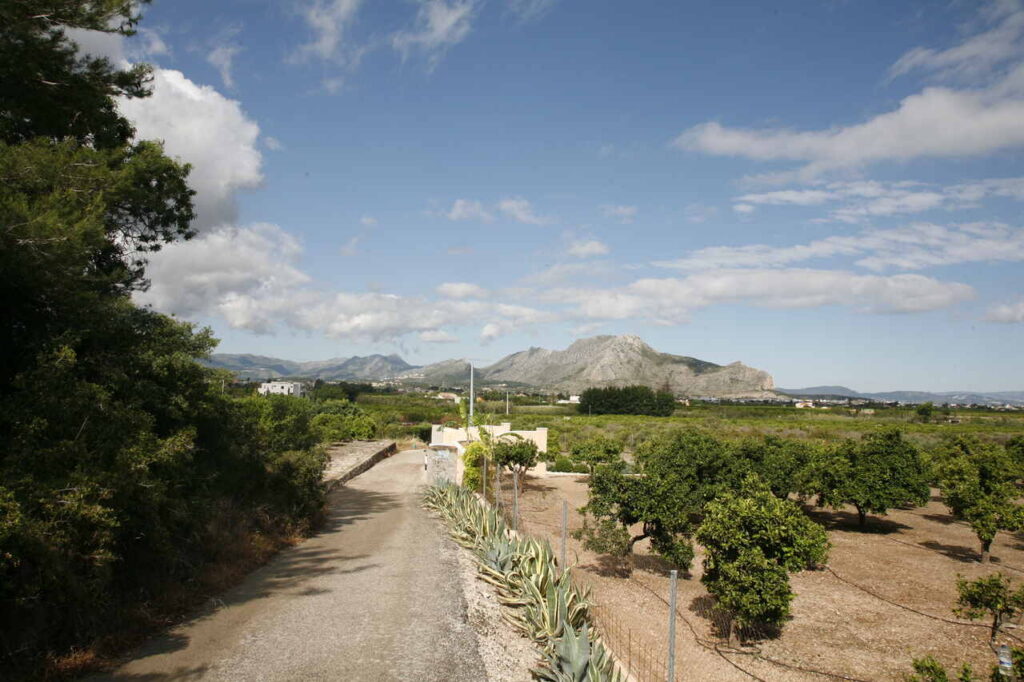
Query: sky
828, 191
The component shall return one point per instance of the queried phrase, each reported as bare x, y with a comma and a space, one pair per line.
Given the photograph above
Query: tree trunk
996, 624
733, 635
986, 545
862, 518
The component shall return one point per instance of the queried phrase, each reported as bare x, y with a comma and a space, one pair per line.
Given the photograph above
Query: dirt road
374, 596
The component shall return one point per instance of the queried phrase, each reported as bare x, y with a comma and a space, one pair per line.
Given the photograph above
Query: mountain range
595, 361
368, 368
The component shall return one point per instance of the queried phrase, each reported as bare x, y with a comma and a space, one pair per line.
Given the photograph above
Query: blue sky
828, 191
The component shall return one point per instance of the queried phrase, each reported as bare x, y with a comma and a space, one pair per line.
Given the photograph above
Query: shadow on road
290, 572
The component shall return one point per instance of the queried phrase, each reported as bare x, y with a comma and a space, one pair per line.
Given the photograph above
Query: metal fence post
484, 477
565, 530
672, 626
515, 501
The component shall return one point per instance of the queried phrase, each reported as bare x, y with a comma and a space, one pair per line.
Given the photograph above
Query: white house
282, 388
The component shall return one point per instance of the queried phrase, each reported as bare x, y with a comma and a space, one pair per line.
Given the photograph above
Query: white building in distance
282, 388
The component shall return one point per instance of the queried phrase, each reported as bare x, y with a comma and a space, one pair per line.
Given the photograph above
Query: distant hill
368, 368
622, 361
595, 361
592, 362
913, 397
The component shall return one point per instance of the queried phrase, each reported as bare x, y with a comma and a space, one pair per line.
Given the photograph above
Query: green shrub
473, 459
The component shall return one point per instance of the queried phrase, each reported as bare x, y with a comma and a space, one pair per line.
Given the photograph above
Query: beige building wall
457, 436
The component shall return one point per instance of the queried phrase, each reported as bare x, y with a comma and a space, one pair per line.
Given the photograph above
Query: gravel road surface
374, 596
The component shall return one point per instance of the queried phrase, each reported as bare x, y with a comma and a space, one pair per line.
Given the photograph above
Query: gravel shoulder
507, 655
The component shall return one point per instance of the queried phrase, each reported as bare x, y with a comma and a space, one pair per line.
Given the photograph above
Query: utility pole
472, 400
506, 402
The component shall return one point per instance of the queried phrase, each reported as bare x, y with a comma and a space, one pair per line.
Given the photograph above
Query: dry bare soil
886, 597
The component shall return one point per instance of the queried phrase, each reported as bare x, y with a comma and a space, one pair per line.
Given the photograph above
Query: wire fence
641, 660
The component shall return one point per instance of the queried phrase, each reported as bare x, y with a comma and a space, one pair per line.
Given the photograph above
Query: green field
728, 421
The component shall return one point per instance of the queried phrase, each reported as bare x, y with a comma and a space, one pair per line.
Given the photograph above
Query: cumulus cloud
623, 214
439, 25
237, 273
1007, 313
466, 209
202, 127
672, 300
461, 290
521, 210
272, 143
916, 246
147, 43
587, 248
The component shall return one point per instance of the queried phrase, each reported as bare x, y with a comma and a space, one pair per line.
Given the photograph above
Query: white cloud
202, 127
329, 20
562, 273
937, 122
529, 10
672, 300
624, 214
744, 209
913, 247
272, 143
865, 199
588, 248
978, 55
436, 336
1006, 312
232, 272
222, 58
984, 117
439, 25
521, 210
466, 209
368, 221
461, 290
147, 43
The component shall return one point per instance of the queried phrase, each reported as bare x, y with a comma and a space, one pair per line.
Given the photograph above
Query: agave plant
576, 658
498, 555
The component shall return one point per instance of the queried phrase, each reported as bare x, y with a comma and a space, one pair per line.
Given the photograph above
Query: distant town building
282, 388
573, 400
447, 396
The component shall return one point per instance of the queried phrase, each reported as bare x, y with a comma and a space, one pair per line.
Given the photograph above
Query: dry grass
886, 598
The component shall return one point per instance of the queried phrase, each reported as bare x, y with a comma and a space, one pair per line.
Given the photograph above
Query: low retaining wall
347, 465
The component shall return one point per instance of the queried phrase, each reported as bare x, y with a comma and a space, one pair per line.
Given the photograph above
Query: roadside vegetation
133, 482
